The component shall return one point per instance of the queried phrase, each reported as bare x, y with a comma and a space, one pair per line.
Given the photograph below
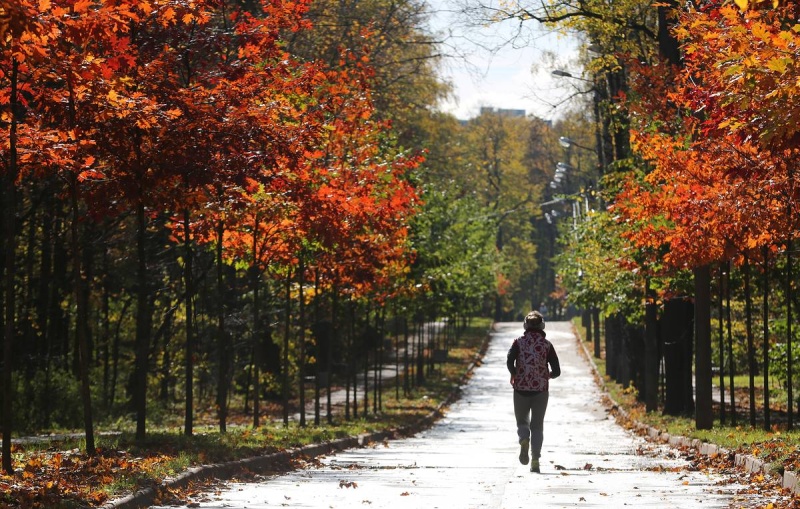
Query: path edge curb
147, 496
749, 463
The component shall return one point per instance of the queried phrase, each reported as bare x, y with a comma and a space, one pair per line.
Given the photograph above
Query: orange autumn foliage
719, 137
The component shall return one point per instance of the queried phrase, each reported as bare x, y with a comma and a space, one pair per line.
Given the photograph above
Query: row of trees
209, 200
723, 151
693, 109
153, 149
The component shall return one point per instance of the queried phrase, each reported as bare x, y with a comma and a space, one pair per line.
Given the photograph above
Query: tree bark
651, 369
287, 329
188, 276
677, 329
704, 416
789, 360
81, 322
301, 343
596, 325
765, 345
731, 364
751, 351
257, 332
10, 241
222, 343
723, 414
143, 319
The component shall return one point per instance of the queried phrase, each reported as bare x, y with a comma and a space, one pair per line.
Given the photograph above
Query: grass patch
777, 446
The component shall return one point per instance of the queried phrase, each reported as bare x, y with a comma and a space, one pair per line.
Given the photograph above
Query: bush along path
56, 474
762, 476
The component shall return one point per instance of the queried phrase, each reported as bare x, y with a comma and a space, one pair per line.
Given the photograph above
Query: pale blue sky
517, 76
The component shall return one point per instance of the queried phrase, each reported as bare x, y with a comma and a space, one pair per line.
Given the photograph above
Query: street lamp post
566, 74
568, 142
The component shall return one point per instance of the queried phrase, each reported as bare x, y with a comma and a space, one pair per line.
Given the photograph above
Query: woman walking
532, 362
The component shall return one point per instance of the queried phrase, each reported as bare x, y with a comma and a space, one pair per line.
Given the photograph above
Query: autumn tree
402, 54
725, 166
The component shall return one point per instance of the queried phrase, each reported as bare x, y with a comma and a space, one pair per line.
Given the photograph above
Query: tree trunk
667, 43
419, 353
188, 276
317, 372
285, 386
257, 332
349, 349
704, 416
731, 364
596, 324
143, 319
751, 351
406, 363
651, 357
722, 410
81, 321
365, 349
10, 244
329, 353
789, 381
106, 332
301, 344
586, 322
222, 342
676, 333
612, 331
765, 309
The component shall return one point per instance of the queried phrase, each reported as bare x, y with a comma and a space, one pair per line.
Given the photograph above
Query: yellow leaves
32, 468
779, 65
761, 32
731, 124
747, 4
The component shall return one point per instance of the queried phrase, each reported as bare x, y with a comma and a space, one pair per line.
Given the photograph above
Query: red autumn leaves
196, 106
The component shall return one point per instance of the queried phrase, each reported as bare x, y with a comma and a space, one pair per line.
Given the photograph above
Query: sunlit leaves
753, 4
225, 122
722, 149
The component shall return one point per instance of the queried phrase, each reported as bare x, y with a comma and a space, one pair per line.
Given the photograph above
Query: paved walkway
469, 458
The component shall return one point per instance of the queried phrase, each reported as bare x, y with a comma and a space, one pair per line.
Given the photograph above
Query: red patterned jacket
528, 360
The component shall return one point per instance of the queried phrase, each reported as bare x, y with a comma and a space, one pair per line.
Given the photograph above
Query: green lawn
778, 446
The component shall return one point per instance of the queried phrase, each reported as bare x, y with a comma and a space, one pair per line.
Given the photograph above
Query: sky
515, 76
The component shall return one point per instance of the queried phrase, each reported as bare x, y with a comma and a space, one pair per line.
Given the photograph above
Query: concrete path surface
469, 458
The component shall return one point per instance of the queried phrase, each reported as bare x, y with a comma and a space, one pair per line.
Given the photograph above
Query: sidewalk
469, 458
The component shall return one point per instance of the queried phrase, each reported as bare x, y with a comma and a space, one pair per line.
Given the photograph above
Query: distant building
502, 112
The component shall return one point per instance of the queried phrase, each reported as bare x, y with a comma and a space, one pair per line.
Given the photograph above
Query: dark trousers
529, 412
